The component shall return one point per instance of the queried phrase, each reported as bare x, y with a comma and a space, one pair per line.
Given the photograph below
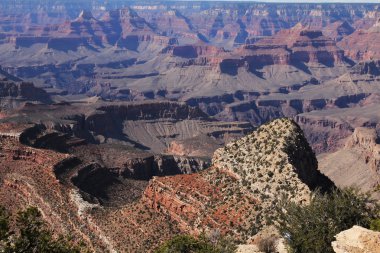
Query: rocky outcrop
295, 46
145, 168
357, 240
297, 157
359, 47
244, 181
96, 181
338, 30
366, 139
324, 134
356, 164
23, 90
14, 95
201, 145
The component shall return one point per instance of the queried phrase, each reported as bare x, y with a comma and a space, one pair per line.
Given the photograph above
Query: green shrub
311, 228
31, 235
375, 225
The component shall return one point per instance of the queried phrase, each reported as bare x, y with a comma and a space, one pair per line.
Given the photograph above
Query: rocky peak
246, 180
363, 137
277, 151
338, 30
126, 14
366, 140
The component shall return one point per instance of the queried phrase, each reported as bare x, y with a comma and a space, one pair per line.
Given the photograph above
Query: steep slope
149, 125
357, 163
236, 195
338, 30
27, 179
239, 192
14, 95
298, 45
359, 45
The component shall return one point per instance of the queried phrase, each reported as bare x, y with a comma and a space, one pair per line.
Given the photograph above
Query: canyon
127, 123
86, 197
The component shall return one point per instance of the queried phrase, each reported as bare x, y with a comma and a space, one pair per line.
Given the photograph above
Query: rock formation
259, 168
14, 95
357, 164
357, 240
294, 46
359, 47
145, 125
338, 30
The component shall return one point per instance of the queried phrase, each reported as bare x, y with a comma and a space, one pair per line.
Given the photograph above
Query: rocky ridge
253, 171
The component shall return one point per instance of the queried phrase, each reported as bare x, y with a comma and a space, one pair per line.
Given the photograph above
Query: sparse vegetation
268, 245
311, 228
31, 235
375, 224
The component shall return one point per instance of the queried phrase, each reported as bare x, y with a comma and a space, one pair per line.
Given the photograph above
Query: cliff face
357, 163
295, 46
154, 125
15, 94
358, 45
243, 184
338, 30
110, 52
145, 125
367, 139
22, 90
28, 179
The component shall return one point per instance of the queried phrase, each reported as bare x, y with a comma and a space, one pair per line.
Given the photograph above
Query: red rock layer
363, 45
